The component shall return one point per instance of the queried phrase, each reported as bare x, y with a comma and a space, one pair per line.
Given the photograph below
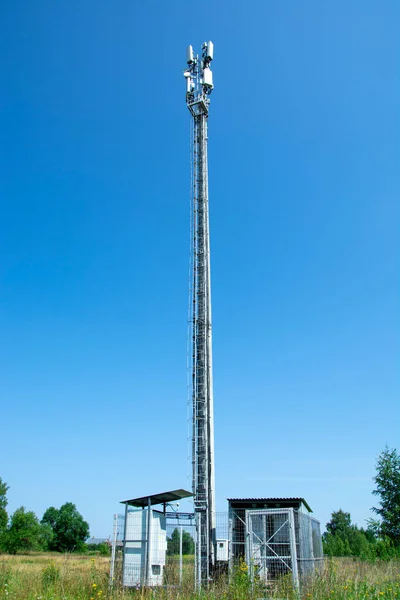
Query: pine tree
387, 482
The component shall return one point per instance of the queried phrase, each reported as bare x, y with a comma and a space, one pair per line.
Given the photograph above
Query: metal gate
271, 544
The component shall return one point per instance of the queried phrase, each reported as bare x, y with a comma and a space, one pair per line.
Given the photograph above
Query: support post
148, 545
249, 545
124, 544
113, 549
199, 570
230, 545
264, 547
198, 88
180, 554
293, 550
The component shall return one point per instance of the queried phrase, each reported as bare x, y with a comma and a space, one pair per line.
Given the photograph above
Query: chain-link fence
275, 543
153, 548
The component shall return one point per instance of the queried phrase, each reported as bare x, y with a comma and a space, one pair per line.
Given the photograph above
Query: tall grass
71, 577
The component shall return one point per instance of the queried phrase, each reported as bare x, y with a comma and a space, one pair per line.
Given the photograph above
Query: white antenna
199, 85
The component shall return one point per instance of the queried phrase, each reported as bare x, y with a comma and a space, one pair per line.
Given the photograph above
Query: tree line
64, 529
61, 529
173, 543
381, 538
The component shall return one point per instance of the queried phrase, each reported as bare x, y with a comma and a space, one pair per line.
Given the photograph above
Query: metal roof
162, 498
272, 501
96, 541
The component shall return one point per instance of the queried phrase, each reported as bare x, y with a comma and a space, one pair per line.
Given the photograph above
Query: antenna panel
189, 55
210, 50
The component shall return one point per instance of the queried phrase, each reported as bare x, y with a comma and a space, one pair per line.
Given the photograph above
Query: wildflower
94, 586
243, 566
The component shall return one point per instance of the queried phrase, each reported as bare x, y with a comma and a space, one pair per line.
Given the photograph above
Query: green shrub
104, 549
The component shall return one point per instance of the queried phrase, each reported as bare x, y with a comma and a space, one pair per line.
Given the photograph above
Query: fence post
113, 549
230, 545
180, 554
124, 544
148, 548
293, 550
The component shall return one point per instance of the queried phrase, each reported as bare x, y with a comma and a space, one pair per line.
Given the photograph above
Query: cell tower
198, 89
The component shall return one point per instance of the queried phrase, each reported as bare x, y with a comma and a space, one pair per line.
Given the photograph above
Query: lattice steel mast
198, 88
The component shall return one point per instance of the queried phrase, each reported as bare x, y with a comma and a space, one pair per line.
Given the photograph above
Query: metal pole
264, 547
293, 550
180, 554
113, 549
124, 544
210, 387
148, 549
199, 86
201, 360
196, 547
249, 546
230, 545
199, 552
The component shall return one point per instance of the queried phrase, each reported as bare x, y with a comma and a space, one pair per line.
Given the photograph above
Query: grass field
79, 577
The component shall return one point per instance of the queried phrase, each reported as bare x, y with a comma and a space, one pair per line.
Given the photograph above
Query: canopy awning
162, 498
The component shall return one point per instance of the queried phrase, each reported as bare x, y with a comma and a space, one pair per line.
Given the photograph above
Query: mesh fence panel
317, 543
304, 542
260, 537
268, 547
180, 560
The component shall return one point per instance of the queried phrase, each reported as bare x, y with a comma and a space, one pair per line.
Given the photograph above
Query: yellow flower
94, 585
381, 594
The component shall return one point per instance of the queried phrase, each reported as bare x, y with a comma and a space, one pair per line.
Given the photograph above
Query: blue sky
94, 187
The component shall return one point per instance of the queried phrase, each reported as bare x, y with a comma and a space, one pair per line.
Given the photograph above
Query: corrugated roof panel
272, 500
